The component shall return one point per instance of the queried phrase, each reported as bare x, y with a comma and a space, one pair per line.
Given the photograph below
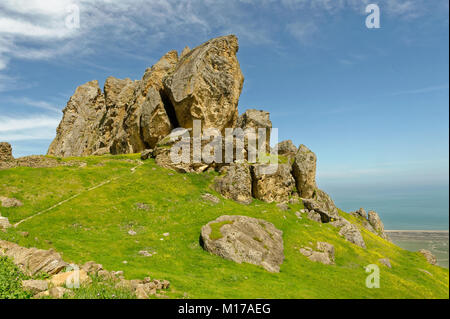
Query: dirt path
132, 171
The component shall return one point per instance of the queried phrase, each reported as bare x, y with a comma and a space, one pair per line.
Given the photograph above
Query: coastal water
409, 208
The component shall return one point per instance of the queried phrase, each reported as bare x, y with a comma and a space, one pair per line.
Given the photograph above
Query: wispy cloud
44, 105
428, 89
28, 128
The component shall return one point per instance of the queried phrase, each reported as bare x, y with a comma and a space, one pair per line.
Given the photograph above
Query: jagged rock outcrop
245, 239
206, 85
5, 152
32, 260
78, 132
131, 116
431, 259
272, 187
287, 149
236, 184
304, 171
377, 224
254, 120
349, 231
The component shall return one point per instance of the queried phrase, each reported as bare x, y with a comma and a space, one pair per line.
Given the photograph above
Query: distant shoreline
416, 231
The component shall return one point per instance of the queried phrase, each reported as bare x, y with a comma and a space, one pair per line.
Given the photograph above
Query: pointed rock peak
185, 51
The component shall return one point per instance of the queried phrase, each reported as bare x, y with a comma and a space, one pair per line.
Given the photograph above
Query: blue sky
371, 103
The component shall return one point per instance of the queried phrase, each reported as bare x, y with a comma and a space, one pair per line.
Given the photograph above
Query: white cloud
423, 90
38, 104
10, 124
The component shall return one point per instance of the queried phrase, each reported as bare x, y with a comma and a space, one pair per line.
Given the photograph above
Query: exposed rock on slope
431, 259
236, 184
33, 260
276, 187
304, 170
245, 239
5, 152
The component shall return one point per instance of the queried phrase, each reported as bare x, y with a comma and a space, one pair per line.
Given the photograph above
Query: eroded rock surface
245, 239
272, 187
324, 253
236, 184
5, 152
431, 259
304, 171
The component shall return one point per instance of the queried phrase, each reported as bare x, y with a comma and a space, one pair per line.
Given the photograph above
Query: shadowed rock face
246, 239
131, 116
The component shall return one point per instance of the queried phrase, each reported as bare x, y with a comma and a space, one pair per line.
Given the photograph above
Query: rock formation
236, 184
245, 239
5, 152
431, 259
276, 187
131, 116
324, 255
304, 170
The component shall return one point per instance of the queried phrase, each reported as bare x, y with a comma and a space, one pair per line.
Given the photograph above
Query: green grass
10, 280
95, 225
215, 229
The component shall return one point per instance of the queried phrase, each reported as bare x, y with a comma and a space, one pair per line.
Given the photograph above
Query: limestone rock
59, 292
287, 148
78, 132
146, 154
80, 276
431, 259
210, 198
245, 239
326, 215
324, 255
304, 171
349, 231
255, 119
236, 184
272, 187
314, 216
360, 213
10, 202
385, 261
4, 223
92, 268
206, 85
35, 286
377, 224
5, 152
32, 260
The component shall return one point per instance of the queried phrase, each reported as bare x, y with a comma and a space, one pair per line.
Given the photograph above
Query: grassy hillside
94, 226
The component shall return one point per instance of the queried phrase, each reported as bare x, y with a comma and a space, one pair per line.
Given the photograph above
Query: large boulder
206, 85
272, 187
304, 171
245, 239
236, 184
32, 260
5, 152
